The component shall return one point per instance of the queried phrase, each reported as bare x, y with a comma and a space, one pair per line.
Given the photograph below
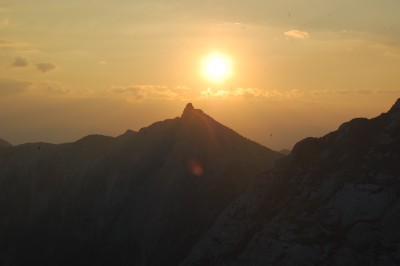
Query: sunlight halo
216, 67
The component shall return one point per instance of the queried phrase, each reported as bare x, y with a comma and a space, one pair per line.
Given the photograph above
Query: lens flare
196, 167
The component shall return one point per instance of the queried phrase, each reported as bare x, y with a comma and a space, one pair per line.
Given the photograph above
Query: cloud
387, 49
297, 34
11, 45
53, 87
134, 93
389, 91
250, 93
345, 92
11, 86
159, 92
364, 91
20, 61
102, 62
45, 67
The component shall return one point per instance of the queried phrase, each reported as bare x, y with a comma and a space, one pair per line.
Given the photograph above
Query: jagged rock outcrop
142, 198
333, 201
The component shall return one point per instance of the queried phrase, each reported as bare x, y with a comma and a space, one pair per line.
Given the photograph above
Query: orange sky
73, 68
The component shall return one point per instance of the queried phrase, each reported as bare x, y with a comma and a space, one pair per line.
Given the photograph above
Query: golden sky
299, 68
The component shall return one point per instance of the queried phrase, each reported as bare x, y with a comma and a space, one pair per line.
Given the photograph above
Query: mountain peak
189, 106
189, 110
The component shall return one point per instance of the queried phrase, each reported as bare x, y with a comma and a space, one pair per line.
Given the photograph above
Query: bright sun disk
216, 67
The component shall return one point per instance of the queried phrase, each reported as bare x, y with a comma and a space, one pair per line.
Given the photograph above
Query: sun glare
216, 67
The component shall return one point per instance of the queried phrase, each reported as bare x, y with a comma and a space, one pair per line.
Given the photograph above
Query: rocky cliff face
333, 201
143, 198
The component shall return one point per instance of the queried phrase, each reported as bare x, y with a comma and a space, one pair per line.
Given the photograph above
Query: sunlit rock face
142, 198
333, 201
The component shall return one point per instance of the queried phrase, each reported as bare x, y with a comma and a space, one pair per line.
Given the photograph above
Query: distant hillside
142, 198
333, 201
4, 143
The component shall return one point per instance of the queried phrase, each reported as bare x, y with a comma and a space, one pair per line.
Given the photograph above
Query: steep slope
333, 201
143, 198
4, 143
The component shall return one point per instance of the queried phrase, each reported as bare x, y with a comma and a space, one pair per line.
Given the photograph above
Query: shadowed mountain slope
333, 201
4, 143
142, 198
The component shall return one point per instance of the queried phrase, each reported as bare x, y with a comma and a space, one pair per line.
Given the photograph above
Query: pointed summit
190, 111
189, 107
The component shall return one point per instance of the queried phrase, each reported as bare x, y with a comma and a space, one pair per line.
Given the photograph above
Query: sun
216, 67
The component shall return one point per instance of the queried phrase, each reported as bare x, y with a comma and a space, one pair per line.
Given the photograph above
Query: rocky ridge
333, 201
119, 201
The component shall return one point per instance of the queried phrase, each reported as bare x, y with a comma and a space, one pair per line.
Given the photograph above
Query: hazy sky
300, 68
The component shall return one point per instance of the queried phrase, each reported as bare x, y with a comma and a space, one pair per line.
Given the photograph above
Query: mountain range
142, 198
333, 201
190, 191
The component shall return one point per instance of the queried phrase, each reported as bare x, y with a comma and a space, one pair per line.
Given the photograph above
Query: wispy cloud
134, 93
53, 87
45, 67
364, 91
389, 91
20, 61
12, 45
343, 92
12, 86
297, 34
249, 93
387, 49
265, 94
142, 92
102, 62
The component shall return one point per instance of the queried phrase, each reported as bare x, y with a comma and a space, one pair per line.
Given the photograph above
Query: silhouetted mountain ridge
189, 191
119, 201
333, 201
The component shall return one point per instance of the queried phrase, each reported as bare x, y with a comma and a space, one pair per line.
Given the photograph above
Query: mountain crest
396, 106
191, 112
156, 191
189, 109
